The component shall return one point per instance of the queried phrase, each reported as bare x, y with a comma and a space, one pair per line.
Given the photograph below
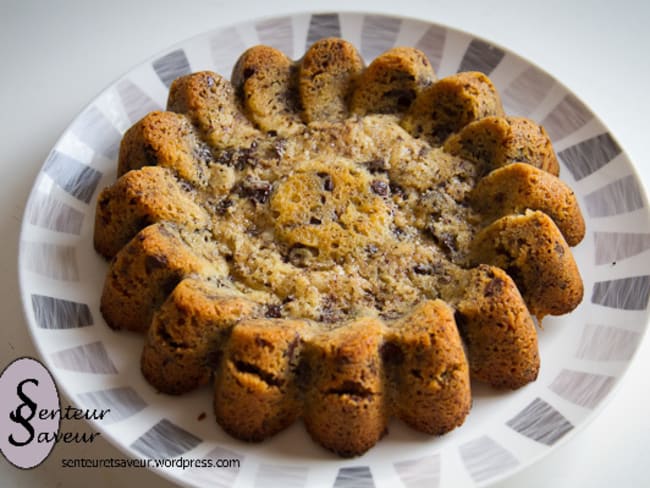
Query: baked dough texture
340, 243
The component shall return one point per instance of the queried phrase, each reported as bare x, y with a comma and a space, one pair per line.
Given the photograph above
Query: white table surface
55, 57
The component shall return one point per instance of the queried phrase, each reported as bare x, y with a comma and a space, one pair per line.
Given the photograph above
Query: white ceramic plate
584, 354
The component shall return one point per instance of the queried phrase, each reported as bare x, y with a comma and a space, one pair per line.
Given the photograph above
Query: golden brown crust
450, 104
392, 82
315, 235
256, 394
185, 341
168, 140
519, 186
498, 141
266, 80
140, 198
497, 329
425, 354
534, 253
145, 271
210, 103
327, 76
344, 407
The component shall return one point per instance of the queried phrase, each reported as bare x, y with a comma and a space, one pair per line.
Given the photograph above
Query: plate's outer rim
63, 388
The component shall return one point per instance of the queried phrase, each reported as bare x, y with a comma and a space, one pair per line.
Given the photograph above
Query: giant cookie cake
337, 242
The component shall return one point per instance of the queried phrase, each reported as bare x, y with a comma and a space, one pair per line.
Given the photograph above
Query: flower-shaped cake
339, 243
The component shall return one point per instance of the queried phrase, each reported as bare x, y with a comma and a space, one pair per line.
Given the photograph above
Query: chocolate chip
446, 241
376, 165
239, 159
423, 269
279, 147
379, 187
494, 287
328, 312
226, 157
154, 262
248, 72
222, 206
396, 189
315, 221
245, 158
449, 241
203, 153
328, 184
273, 311
257, 190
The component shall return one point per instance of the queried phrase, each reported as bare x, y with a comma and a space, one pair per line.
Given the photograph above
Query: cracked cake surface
341, 243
